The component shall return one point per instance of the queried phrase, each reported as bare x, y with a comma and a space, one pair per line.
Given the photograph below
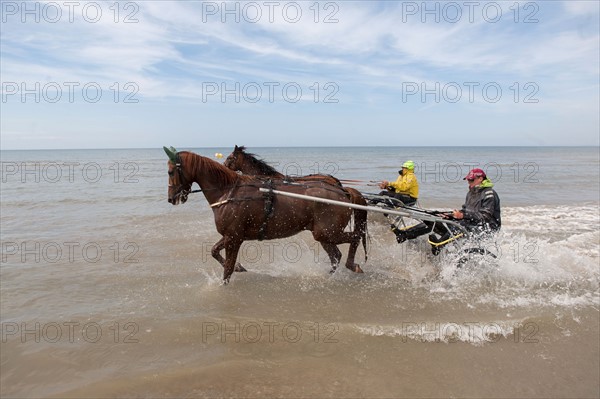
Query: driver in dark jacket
480, 213
481, 210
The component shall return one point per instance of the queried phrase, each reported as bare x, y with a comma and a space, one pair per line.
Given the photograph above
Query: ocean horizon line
307, 146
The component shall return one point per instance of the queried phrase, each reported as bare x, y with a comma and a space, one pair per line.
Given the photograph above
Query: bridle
181, 192
183, 188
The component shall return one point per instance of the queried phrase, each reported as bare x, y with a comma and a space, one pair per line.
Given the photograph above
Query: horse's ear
171, 153
236, 148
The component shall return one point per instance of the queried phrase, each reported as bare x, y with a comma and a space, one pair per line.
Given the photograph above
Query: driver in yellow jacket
406, 186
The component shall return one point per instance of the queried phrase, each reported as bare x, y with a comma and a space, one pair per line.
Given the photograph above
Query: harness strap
269, 199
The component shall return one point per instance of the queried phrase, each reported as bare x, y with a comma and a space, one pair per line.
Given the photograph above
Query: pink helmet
475, 173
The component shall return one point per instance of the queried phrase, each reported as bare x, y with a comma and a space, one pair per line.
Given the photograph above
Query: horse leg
232, 247
216, 253
354, 239
335, 255
343, 238
351, 254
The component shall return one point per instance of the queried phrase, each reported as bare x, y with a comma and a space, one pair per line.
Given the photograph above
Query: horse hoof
355, 268
332, 271
239, 268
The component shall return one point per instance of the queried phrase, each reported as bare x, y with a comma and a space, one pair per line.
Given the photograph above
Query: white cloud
584, 7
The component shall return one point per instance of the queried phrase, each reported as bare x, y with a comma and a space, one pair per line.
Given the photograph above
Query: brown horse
243, 213
250, 164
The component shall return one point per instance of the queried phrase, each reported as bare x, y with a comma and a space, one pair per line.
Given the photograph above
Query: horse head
179, 186
235, 160
249, 164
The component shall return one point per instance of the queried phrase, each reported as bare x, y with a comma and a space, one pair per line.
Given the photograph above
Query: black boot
417, 230
400, 235
435, 241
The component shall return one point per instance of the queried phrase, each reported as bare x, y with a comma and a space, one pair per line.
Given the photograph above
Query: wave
475, 333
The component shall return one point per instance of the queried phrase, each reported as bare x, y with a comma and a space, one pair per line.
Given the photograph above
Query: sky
145, 74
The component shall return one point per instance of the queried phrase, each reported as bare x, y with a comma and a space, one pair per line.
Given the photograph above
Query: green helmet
409, 165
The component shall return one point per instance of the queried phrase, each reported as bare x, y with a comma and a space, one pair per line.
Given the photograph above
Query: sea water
107, 290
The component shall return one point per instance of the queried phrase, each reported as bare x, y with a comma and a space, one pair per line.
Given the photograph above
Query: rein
286, 180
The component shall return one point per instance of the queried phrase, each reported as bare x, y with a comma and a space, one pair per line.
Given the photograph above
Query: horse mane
260, 165
197, 163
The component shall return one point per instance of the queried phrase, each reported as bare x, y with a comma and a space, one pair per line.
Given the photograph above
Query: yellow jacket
407, 184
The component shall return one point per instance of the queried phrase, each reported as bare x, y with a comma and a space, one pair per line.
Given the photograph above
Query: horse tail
360, 218
364, 235
362, 229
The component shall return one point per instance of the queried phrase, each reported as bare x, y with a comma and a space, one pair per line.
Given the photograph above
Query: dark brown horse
250, 164
243, 213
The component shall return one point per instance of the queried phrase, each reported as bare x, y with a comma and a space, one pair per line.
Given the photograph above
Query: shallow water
109, 291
